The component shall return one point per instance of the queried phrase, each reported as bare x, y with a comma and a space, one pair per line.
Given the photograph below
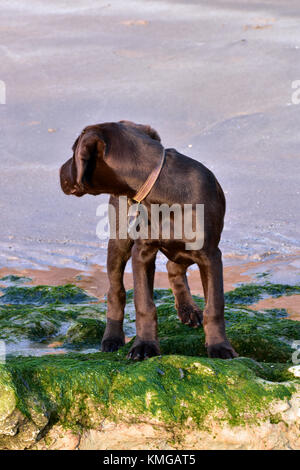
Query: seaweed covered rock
261, 336
41, 295
85, 331
178, 393
38, 316
264, 336
250, 293
12, 279
181, 399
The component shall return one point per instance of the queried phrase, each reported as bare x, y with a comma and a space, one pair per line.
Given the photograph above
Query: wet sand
95, 280
291, 303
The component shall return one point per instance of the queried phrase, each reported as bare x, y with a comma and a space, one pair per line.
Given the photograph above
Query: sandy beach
214, 78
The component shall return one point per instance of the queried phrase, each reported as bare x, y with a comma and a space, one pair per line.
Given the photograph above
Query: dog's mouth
77, 190
67, 184
74, 190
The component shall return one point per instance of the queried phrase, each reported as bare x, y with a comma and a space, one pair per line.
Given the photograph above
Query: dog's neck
137, 164
147, 186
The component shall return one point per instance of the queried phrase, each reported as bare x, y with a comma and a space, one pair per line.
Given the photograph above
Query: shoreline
283, 269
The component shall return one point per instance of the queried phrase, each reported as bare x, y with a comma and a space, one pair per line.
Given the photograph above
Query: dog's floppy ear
86, 153
74, 146
144, 128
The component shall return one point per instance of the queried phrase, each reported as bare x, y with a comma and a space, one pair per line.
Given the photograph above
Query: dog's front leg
119, 252
143, 266
213, 316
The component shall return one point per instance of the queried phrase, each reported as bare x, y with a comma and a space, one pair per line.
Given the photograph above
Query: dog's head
76, 174
90, 169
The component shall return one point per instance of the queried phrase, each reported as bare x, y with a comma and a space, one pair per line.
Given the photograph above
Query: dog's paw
143, 350
111, 344
222, 350
190, 315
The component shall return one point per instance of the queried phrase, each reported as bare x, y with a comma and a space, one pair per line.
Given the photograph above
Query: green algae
13, 279
273, 372
174, 388
182, 386
276, 312
265, 337
247, 294
85, 332
19, 322
58, 386
41, 295
39, 313
79, 391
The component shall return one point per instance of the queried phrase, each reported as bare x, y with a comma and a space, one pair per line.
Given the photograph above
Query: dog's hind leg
119, 252
211, 269
188, 311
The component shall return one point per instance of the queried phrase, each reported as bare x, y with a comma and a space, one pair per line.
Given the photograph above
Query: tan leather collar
150, 181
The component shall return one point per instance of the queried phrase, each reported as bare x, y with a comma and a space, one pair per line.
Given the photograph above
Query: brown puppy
117, 158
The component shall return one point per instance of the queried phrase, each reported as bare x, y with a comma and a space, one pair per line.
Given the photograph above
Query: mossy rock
13, 279
80, 391
265, 337
22, 322
181, 389
41, 295
85, 332
250, 293
44, 313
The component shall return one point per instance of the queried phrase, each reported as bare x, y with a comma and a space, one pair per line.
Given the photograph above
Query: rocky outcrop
180, 400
